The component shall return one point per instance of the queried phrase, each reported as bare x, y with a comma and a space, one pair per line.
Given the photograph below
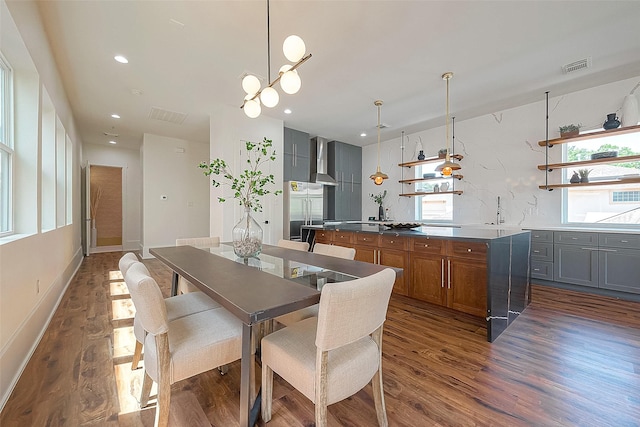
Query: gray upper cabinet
297, 163
345, 164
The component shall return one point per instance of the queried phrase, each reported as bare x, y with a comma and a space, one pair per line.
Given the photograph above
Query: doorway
106, 208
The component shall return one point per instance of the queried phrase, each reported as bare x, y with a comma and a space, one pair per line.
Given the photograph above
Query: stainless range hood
319, 174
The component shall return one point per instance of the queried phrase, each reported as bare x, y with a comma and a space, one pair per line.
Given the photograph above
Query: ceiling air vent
167, 116
577, 65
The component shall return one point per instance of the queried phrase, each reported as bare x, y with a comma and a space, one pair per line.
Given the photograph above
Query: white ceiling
503, 54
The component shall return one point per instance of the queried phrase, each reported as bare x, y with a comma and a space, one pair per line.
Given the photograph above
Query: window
434, 207
601, 204
6, 148
625, 196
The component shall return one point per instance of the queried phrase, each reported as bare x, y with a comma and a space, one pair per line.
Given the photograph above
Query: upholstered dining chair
181, 348
322, 249
177, 307
331, 357
334, 250
290, 244
184, 286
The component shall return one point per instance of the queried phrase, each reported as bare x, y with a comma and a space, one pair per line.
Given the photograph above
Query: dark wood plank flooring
571, 359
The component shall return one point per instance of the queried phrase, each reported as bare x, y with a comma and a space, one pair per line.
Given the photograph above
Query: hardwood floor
571, 359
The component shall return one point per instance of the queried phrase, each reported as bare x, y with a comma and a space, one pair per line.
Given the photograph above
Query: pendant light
448, 166
294, 50
378, 177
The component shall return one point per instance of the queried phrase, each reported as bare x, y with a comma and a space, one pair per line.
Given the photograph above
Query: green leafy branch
252, 183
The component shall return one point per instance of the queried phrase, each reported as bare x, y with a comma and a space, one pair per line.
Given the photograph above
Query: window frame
565, 196
7, 147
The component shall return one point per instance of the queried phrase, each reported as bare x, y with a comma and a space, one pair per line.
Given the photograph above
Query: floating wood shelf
412, 181
430, 193
590, 184
622, 159
586, 136
429, 160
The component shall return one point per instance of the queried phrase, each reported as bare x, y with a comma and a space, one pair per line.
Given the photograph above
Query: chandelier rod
268, 46
277, 79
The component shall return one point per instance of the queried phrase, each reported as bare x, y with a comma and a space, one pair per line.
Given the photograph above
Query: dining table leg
246, 377
174, 284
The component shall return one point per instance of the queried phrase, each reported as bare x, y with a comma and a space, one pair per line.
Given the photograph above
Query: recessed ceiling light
287, 111
115, 116
121, 59
363, 134
112, 142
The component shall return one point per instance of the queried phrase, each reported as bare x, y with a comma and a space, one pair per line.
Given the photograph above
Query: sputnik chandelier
294, 50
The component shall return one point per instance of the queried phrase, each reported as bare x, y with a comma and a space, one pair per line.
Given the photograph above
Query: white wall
170, 168
35, 267
229, 127
129, 161
501, 155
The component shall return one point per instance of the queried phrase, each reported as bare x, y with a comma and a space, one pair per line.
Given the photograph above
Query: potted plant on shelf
378, 198
567, 131
584, 174
442, 153
248, 188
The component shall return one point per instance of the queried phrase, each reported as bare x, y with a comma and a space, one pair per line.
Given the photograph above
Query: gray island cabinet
607, 263
482, 272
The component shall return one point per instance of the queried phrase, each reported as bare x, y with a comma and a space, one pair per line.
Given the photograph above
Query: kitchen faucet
499, 219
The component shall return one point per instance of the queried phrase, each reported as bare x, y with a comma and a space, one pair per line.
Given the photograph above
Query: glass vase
247, 236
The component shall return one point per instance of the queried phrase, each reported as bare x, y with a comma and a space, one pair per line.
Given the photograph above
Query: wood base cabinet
450, 273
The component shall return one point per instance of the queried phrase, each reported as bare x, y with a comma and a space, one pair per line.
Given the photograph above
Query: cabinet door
467, 286
398, 259
297, 166
427, 278
354, 167
620, 269
355, 200
366, 253
575, 264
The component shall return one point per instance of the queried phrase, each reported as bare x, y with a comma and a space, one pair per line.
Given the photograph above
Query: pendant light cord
378, 137
447, 118
268, 46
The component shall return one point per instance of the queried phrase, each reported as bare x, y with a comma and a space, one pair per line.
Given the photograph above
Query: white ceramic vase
630, 111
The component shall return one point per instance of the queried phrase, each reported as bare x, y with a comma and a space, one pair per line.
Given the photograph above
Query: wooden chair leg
378, 391
267, 392
223, 369
137, 355
321, 388
164, 384
147, 383
378, 399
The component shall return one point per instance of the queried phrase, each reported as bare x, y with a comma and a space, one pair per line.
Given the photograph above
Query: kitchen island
480, 271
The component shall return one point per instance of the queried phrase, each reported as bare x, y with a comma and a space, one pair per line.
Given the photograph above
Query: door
427, 278
468, 286
85, 194
315, 199
106, 208
296, 208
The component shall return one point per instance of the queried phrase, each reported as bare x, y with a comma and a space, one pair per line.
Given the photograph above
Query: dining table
258, 289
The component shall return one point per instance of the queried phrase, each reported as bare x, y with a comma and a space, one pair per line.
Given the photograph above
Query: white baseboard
25, 340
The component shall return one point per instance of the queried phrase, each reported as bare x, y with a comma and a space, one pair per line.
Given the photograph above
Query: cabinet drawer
542, 251
324, 236
544, 236
576, 238
541, 270
427, 245
618, 240
367, 239
391, 241
345, 237
473, 250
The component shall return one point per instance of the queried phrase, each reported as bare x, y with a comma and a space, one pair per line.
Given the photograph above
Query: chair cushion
177, 307
198, 343
291, 353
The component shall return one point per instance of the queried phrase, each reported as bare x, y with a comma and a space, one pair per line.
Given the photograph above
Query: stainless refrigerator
303, 205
